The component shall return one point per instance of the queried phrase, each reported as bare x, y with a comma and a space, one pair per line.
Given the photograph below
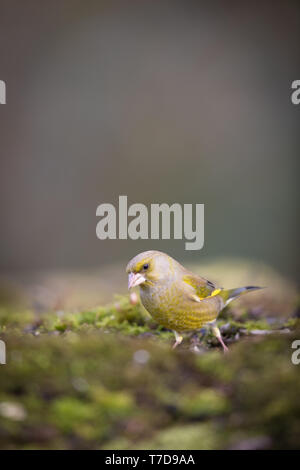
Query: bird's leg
178, 339
218, 335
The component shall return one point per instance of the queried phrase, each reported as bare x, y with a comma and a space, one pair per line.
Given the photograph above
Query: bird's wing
200, 299
201, 288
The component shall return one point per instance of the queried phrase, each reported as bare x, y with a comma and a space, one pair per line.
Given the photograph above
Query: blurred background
163, 101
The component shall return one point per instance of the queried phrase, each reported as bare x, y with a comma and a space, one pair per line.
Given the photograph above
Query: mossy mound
107, 378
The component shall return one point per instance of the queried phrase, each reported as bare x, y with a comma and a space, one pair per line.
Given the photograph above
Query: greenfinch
177, 298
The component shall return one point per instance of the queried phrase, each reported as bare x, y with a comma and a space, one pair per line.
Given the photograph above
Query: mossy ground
107, 378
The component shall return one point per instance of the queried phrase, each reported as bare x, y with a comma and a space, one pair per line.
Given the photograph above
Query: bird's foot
178, 340
218, 335
225, 348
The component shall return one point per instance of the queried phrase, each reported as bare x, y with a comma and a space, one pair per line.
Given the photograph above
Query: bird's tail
229, 294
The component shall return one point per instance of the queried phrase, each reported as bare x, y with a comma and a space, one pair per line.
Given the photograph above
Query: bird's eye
146, 266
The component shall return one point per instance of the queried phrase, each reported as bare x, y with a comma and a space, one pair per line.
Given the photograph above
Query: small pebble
80, 384
261, 332
225, 327
13, 411
141, 356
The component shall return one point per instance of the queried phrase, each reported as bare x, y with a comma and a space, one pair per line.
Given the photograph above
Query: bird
177, 298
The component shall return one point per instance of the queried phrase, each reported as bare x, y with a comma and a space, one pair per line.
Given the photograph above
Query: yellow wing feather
202, 287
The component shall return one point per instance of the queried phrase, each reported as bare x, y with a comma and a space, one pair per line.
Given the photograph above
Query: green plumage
175, 297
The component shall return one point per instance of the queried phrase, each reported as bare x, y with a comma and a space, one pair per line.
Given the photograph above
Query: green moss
188, 437
87, 387
119, 316
108, 378
206, 402
293, 323
69, 414
15, 319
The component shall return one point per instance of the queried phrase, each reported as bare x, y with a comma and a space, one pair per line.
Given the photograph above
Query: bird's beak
135, 279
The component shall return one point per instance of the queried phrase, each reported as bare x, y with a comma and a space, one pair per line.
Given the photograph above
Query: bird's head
148, 268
